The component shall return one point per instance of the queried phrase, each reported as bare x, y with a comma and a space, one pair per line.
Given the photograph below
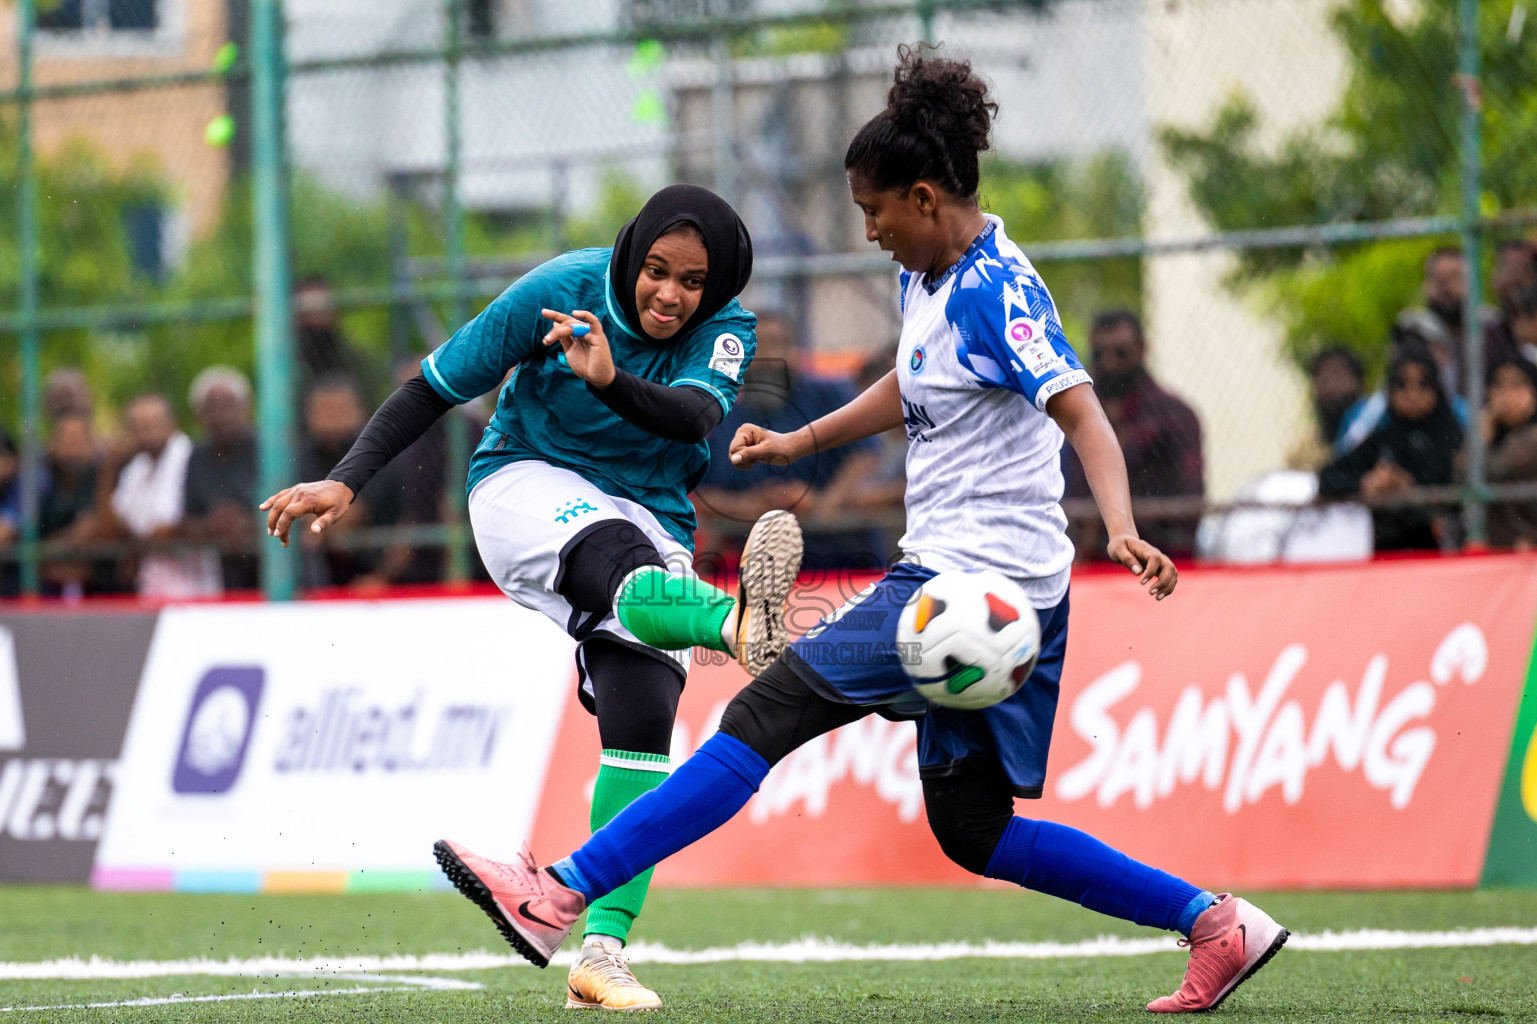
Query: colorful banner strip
270, 881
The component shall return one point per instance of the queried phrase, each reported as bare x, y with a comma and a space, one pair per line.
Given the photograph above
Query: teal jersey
545, 411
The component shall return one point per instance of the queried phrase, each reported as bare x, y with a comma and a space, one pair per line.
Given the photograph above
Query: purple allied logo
218, 729
730, 346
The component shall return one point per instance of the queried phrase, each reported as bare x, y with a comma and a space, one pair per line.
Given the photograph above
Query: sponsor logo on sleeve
218, 729
1025, 333
1028, 340
727, 357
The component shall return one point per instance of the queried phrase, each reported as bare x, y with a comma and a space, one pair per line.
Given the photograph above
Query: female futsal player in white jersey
987, 387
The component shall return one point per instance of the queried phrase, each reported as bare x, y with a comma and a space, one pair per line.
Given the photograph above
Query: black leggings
636, 694
590, 573
969, 807
635, 691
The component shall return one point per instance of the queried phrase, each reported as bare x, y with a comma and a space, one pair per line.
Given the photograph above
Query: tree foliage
85, 260
84, 251
1390, 149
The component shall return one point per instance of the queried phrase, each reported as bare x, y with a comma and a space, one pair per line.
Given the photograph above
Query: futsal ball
968, 639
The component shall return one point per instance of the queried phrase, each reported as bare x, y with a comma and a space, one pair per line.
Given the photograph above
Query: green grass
1414, 985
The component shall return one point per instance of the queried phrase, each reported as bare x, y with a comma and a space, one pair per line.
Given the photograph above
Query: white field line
405, 984
809, 950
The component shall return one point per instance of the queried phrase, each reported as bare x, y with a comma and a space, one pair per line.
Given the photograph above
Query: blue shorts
851, 657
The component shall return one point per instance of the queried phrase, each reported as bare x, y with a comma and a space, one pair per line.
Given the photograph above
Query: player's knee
963, 845
594, 568
762, 717
967, 818
749, 720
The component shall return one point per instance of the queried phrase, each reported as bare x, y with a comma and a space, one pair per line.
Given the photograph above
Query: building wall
1068, 83
159, 128
1222, 353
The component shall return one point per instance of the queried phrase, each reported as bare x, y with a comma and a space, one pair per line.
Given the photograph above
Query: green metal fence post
453, 212
1468, 67
723, 119
31, 343
274, 292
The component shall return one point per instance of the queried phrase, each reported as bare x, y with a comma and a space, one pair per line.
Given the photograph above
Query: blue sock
1073, 865
700, 796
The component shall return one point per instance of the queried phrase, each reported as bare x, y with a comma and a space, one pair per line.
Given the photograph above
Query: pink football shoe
533, 911
1230, 941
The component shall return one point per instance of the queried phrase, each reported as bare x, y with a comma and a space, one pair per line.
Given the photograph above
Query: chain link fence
1258, 181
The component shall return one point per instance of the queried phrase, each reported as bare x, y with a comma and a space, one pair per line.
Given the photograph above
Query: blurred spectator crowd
144, 507
1414, 430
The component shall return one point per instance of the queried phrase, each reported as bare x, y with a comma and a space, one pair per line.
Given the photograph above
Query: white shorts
528, 515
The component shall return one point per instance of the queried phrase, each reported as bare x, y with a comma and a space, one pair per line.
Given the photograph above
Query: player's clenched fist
752, 445
326, 500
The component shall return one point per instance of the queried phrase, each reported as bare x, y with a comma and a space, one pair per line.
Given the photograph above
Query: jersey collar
992, 225
614, 313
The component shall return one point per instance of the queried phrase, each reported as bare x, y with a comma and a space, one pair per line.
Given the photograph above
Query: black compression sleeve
681, 413
405, 416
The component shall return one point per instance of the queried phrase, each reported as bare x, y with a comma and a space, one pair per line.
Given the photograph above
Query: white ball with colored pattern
968, 639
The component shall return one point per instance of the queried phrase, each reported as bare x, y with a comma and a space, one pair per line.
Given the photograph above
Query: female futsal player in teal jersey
987, 387
583, 477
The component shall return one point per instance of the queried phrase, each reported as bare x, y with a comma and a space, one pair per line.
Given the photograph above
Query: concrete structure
1221, 353
160, 128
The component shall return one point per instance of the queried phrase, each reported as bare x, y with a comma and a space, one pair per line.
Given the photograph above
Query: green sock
671, 612
622, 776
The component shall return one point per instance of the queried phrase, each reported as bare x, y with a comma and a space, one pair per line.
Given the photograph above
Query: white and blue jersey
982, 350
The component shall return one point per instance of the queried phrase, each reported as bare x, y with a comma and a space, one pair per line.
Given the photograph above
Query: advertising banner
1265, 728
67, 682
325, 746
1320, 727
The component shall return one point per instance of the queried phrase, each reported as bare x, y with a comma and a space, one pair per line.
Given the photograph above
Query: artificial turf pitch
45, 924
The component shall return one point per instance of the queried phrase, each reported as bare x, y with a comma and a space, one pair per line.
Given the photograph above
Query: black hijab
725, 240
1425, 447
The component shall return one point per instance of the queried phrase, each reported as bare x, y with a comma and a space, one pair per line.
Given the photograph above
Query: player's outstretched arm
405, 416
877, 410
326, 500
1077, 411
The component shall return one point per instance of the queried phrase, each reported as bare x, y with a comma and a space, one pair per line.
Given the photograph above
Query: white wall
1221, 353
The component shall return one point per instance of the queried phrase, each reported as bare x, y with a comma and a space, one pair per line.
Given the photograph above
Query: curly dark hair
937, 119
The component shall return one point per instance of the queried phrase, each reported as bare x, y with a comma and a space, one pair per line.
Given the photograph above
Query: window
63, 14
146, 230
132, 14
99, 15
645, 13
480, 19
